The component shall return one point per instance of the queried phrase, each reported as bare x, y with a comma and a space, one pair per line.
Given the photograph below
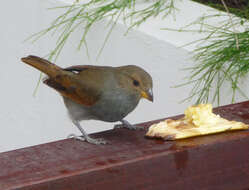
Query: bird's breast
115, 105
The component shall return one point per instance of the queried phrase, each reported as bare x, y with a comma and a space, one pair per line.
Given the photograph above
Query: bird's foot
98, 141
88, 139
73, 136
131, 127
127, 125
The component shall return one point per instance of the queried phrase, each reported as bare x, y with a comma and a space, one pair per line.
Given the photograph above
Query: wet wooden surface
132, 162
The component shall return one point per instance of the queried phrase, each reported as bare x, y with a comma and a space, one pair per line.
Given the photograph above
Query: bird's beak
148, 95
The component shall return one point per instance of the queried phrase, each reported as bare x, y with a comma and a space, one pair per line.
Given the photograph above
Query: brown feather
43, 65
68, 84
79, 68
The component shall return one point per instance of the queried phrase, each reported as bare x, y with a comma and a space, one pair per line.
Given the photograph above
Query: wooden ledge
215, 162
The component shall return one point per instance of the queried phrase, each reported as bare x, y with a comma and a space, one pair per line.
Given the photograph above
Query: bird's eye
136, 83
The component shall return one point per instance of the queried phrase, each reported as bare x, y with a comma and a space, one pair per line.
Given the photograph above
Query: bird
92, 92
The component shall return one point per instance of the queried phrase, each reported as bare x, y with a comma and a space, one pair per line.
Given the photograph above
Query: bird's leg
126, 124
85, 136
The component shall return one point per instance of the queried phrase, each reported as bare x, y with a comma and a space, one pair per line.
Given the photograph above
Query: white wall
27, 120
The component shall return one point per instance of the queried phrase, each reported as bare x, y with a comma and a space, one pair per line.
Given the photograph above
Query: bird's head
137, 80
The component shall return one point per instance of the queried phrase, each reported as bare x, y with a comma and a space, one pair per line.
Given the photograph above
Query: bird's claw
131, 127
73, 136
88, 139
99, 141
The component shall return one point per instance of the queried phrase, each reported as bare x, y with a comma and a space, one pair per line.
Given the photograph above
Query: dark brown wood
132, 162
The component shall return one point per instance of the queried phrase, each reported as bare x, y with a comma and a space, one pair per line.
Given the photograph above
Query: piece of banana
198, 120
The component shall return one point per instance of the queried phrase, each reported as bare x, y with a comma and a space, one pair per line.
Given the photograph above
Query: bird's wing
79, 68
80, 86
83, 87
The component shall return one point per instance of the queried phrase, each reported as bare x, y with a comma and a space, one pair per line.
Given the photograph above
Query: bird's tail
43, 65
